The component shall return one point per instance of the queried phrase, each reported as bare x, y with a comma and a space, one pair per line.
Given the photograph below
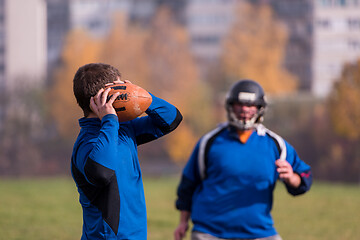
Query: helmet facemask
245, 124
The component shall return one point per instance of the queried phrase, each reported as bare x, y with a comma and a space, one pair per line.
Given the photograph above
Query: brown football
132, 101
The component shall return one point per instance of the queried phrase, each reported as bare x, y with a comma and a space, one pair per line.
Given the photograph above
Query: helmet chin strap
243, 124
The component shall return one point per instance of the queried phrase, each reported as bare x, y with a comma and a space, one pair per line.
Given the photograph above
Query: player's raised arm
131, 100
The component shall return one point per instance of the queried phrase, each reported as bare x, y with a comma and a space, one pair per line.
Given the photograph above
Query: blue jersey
107, 173
228, 185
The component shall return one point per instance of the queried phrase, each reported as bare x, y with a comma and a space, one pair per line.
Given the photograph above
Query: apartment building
22, 42
208, 21
298, 18
336, 41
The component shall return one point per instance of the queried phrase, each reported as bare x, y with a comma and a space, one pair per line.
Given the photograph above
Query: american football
132, 101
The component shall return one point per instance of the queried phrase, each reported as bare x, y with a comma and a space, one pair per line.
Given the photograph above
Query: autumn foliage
158, 58
80, 49
255, 49
344, 100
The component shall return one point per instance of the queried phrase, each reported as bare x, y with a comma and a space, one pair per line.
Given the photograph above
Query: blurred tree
174, 76
254, 48
345, 115
345, 119
124, 48
79, 49
24, 130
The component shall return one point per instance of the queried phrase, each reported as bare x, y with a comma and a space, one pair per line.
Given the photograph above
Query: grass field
48, 209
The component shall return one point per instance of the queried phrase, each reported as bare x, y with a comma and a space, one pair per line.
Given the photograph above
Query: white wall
336, 41
25, 41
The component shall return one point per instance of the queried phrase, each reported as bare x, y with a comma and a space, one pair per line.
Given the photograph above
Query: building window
335, 3
206, 39
323, 23
324, 2
354, 45
354, 23
340, 2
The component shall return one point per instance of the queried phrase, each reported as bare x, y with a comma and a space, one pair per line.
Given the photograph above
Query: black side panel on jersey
277, 144
207, 147
185, 192
104, 195
97, 174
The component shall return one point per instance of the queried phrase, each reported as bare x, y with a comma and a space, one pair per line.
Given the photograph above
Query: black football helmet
246, 92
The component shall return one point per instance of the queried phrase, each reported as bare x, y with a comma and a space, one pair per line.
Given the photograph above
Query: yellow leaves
79, 49
174, 76
254, 48
167, 49
124, 49
181, 143
344, 100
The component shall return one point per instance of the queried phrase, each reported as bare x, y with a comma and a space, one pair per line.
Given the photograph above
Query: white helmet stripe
247, 96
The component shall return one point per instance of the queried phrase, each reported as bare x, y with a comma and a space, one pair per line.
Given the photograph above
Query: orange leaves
174, 76
344, 100
254, 48
181, 143
169, 57
124, 48
79, 49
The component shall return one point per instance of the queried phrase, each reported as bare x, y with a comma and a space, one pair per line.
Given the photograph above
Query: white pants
204, 236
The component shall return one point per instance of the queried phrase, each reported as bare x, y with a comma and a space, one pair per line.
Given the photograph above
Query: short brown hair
89, 79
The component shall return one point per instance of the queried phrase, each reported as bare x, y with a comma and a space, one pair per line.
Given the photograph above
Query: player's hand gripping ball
132, 101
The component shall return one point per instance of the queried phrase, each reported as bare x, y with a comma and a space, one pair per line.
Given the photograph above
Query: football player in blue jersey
226, 187
104, 162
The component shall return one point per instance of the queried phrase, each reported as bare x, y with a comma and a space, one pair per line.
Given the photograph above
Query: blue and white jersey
107, 172
228, 185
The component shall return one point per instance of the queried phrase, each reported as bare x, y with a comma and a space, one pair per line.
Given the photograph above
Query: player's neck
244, 135
92, 115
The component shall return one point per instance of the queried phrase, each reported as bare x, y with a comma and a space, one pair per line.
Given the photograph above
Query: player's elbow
176, 121
169, 127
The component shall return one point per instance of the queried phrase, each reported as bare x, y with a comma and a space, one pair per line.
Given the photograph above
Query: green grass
49, 209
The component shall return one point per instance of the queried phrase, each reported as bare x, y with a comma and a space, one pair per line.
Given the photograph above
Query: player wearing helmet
227, 185
245, 104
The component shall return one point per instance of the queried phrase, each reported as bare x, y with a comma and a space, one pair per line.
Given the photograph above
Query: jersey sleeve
98, 153
162, 118
301, 168
190, 179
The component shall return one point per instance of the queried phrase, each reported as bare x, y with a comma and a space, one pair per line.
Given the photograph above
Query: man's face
243, 111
